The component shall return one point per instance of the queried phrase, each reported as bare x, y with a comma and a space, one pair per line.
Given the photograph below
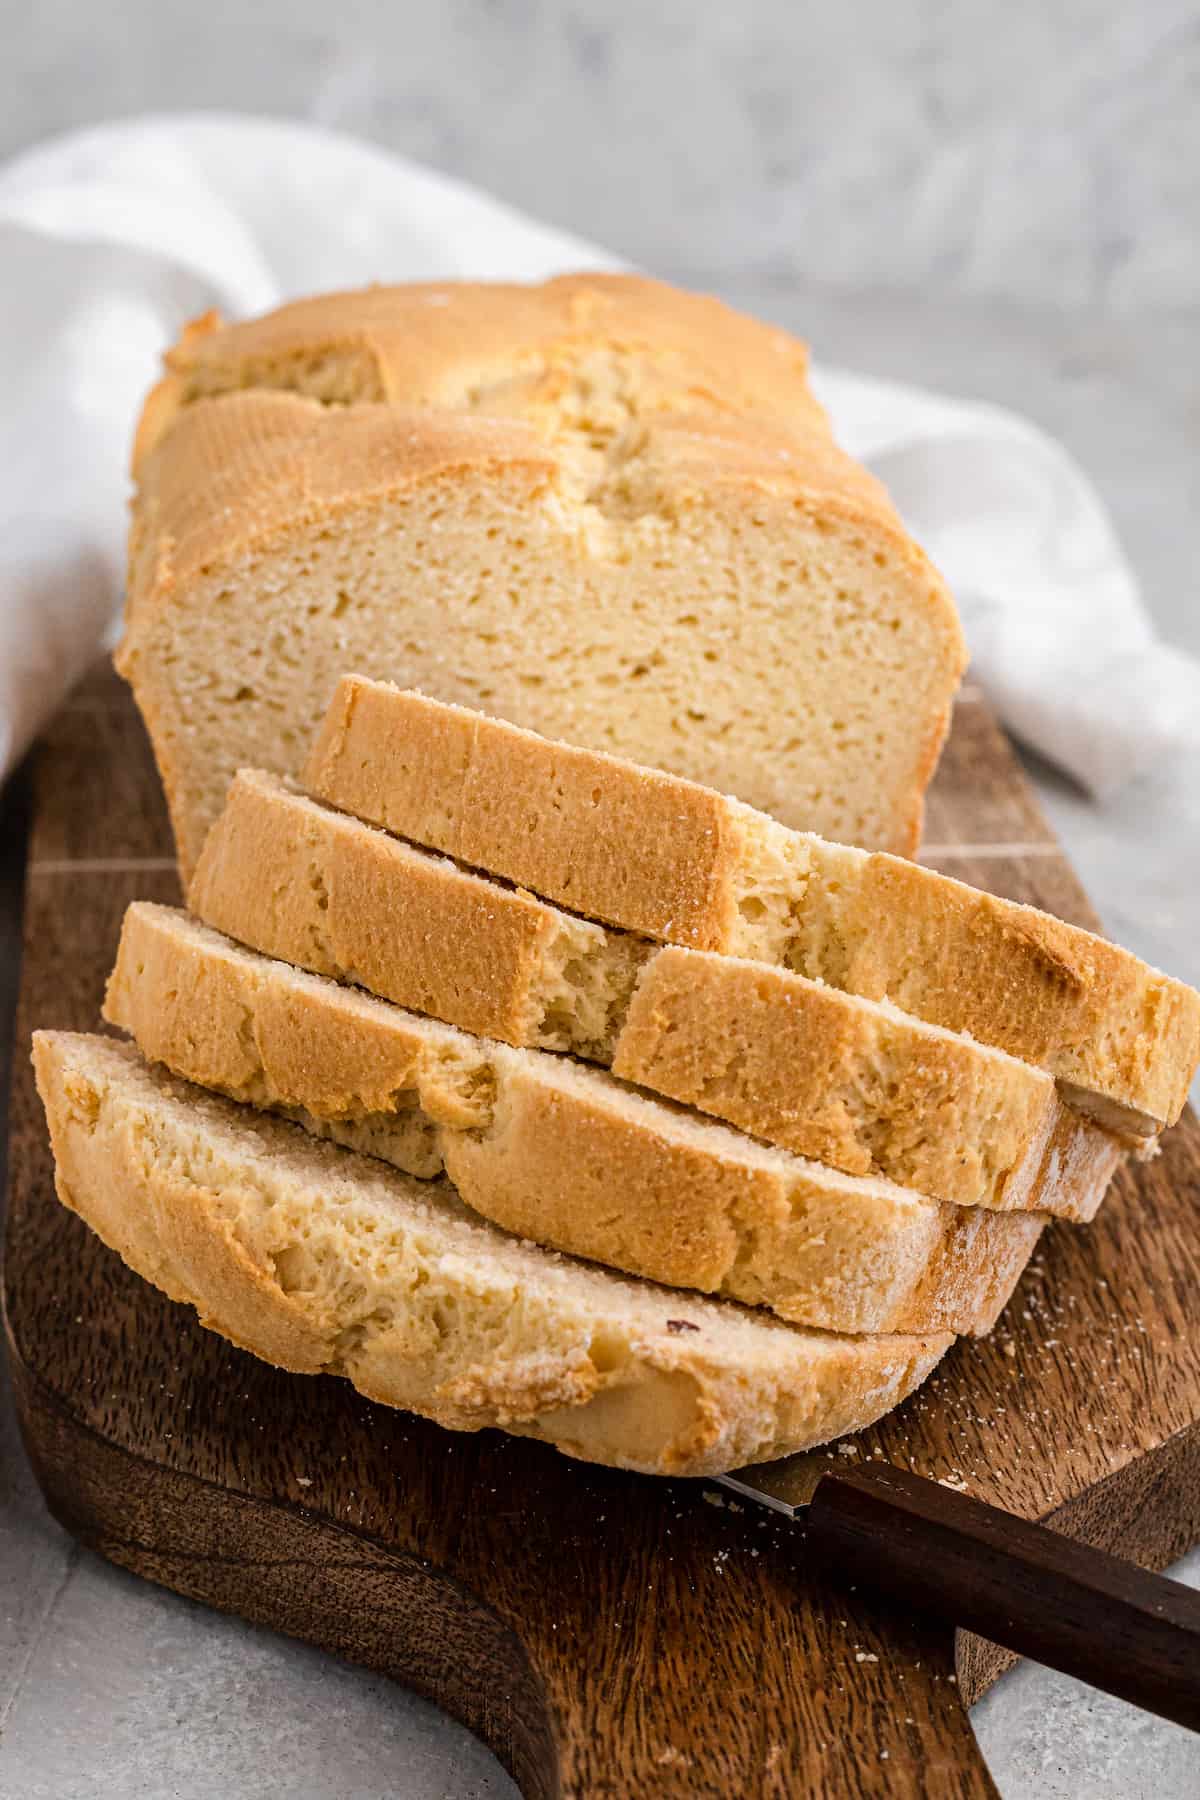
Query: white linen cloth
110, 238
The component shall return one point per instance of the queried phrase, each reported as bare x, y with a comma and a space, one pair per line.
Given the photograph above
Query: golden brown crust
651, 853
321, 1261
560, 1154
470, 345
263, 463
631, 846
439, 372
857, 1085
1123, 1038
568, 1168
319, 890
263, 1031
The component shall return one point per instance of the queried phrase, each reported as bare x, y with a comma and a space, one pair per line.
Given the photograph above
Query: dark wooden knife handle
1022, 1585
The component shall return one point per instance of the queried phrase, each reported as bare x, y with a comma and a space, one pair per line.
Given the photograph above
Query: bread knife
1019, 1584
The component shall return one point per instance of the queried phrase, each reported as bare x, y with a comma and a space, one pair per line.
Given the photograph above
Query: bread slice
322, 1261
853, 1083
654, 854
557, 1152
602, 507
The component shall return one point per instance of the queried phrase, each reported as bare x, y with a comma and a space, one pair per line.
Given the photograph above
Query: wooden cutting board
608, 1635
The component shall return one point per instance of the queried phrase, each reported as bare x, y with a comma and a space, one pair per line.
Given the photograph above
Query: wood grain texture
609, 1635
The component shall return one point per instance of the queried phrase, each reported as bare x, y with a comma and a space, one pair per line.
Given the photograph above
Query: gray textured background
994, 199
1046, 153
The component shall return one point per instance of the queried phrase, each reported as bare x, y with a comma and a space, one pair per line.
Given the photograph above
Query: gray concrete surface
1047, 152
993, 200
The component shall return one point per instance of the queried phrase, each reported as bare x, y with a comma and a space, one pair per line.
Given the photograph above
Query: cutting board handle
1077, 1609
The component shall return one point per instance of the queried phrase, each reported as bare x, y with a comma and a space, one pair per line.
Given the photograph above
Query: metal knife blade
786, 1486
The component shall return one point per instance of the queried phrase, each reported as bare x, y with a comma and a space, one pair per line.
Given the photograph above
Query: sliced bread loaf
661, 856
322, 1261
557, 1152
853, 1083
600, 507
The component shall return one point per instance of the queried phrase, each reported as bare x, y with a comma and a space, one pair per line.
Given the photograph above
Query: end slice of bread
559, 1153
854, 1083
655, 854
324, 1262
